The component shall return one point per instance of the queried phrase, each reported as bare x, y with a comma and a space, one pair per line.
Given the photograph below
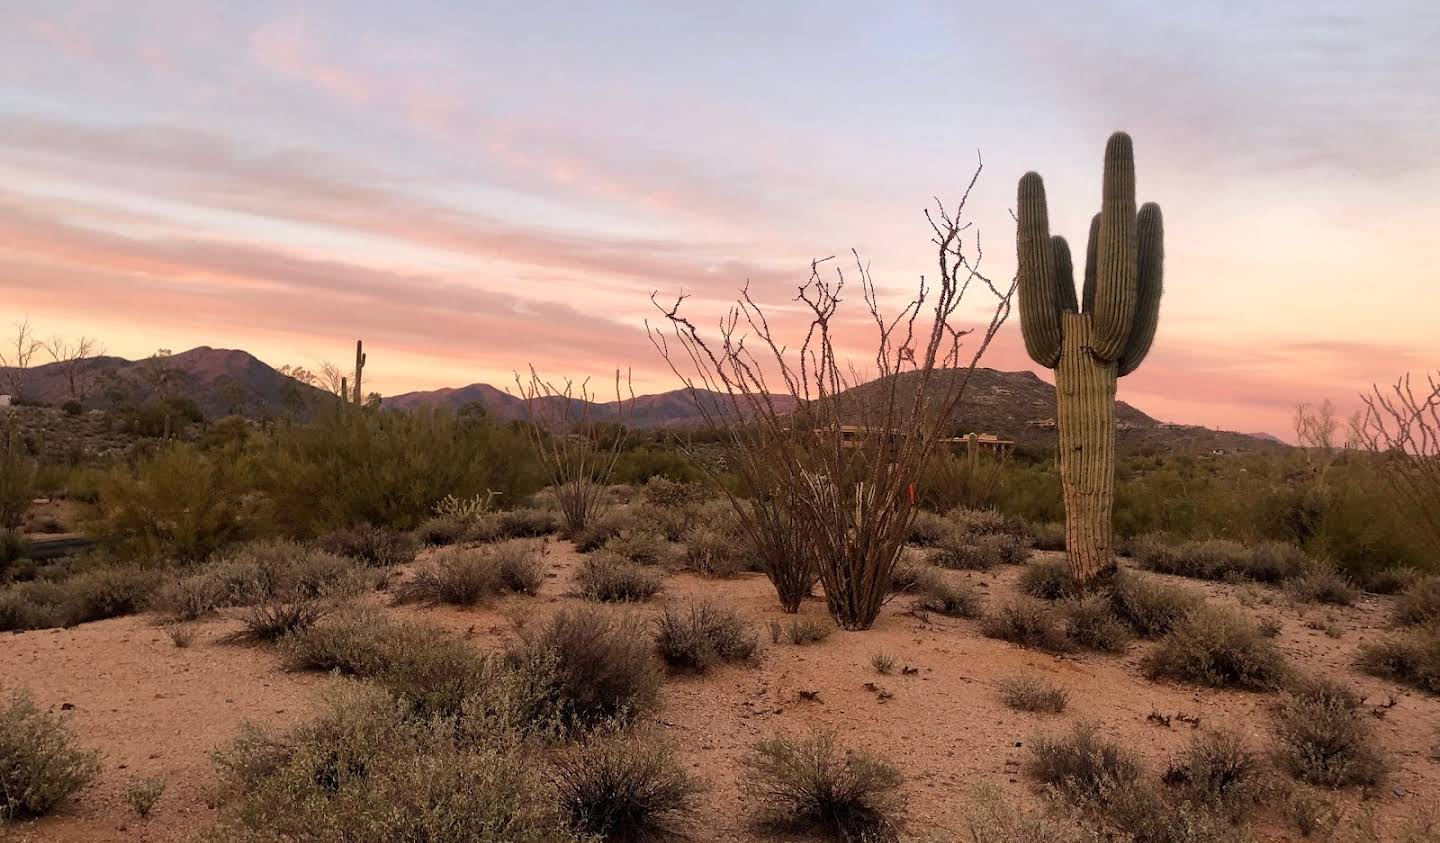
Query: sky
476, 187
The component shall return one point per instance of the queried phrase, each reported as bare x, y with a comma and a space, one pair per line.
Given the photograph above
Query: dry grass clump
883, 663
454, 576
1218, 646
1322, 586
1029, 622
367, 770
376, 547
39, 766
1034, 694
1150, 606
1090, 622
961, 550
611, 579
812, 783
1419, 603
1324, 739
626, 788
802, 630
701, 635
1048, 579
1082, 765
956, 600
642, 547
1412, 658
142, 795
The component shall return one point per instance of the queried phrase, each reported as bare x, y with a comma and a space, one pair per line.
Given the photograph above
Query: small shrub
702, 635
521, 568
527, 523
1274, 562
956, 600
1412, 658
182, 635
988, 522
440, 531
1324, 739
13, 548
928, 529
712, 553
1217, 646
882, 663
272, 620
599, 530
1420, 603
912, 575
257, 572
1392, 580
591, 666
456, 576
611, 579
1220, 771
1030, 623
1210, 559
142, 795
1049, 535
1048, 579
1082, 765
96, 594
1033, 694
994, 819
626, 789
1322, 586
1091, 623
639, 547
1150, 606
810, 782
375, 547
39, 766
964, 551
808, 630
1270, 626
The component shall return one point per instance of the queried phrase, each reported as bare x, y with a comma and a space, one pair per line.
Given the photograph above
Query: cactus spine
1090, 345
359, 367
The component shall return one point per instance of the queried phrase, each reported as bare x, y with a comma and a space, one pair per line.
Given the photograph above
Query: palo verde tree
1090, 341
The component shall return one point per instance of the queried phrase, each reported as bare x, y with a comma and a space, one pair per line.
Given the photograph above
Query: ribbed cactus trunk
1085, 396
359, 370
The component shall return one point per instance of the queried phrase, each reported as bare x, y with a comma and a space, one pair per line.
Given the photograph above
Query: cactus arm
1115, 271
1092, 253
1150, 231
1064, 274
1039, 292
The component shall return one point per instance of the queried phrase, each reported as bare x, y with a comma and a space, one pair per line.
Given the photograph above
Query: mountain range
1016, 405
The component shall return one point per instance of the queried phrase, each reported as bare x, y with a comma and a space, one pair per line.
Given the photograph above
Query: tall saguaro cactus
1091, 340
359, 367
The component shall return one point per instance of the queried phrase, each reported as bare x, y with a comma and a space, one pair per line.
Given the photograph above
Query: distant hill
1017, 405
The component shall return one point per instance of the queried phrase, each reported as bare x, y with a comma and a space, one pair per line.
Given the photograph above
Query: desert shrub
1028, 622
711, 552
367, 771
1150, 606
272, 620
1091, 623
521, 566
39, 766
13, 548
1209, 559
1082, 765
432, 672
626, 788
1219, 559
590, 667
142, 795
1420, 603
912, 575
928, 529
455, 576
440, 531
1048, 535
609, 524
1034, 694
1047, 579
1392, 580
810, 782
963, 551
639, 546
988, 522
1219, 770
260, 572
882, 663
664, 492
1324, 739
956, 600
1153, 551
701, 635
1274, 561
1217, 646
1412, 658
179, 503
808, 630
997, 820
1322, 586
527, 522
91, 595
611, 579
376, 547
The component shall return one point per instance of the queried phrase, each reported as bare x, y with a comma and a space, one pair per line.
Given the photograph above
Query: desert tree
1401, 425
75, 361
828, 459
577, 449
15, 357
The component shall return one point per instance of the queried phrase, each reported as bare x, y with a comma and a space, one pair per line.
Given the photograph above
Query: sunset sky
474, 186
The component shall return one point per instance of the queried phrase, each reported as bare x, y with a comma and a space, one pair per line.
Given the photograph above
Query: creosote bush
1149, 605
376, 547
608, 578
1419, 603
1220, 770
1033, 694
1325, 739
1048, 579
94, 594
1218, 646
456, 576
261, 572
961, 550
701, 635
1411, 657
956, 600
928, 529
40, 767
639, 546
1083, 765
811, 782
1029, 622
1090, 622
1322, 586
626, 788
712, 553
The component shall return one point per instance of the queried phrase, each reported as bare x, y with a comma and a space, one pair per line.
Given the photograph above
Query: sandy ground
154, 709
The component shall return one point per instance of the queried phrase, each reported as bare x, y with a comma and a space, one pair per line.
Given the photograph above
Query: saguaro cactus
359, 367
1090, 342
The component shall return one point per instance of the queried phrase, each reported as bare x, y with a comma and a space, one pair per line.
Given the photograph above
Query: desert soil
154, 709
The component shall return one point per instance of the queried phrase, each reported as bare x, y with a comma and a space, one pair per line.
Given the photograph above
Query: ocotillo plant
359, 367
1092, 340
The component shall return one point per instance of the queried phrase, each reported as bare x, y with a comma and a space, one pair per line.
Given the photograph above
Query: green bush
702, 635
811, 782
626, 788
611, 579
1325, 739
180, 503
1217, 646
39, 766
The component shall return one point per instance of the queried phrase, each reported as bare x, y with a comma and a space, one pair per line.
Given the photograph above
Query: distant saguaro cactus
1090, 342
359, 367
